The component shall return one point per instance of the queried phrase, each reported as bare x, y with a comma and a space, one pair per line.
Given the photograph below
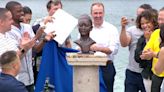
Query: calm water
114, 9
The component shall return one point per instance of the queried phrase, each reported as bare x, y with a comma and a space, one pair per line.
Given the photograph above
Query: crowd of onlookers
21, 45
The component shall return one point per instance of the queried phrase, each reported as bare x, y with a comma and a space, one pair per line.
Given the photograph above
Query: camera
131, 20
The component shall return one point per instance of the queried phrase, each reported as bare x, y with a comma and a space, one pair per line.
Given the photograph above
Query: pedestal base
86, 79
86, 71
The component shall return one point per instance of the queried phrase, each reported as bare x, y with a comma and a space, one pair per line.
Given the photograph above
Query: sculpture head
84, 25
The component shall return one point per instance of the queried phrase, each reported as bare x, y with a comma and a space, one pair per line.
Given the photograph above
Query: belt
109, 62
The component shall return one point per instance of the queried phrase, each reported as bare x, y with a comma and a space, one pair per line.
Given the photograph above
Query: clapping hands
26, 41
147, 54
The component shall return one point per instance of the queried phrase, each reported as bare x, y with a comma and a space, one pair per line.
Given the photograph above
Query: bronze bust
84, 27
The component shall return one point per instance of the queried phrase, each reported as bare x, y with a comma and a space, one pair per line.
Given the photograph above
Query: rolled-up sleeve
114, 41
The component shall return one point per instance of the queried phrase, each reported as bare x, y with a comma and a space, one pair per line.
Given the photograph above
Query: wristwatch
21, 49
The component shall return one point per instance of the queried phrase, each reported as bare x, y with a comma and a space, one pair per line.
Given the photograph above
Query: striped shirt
26, 72
7, 44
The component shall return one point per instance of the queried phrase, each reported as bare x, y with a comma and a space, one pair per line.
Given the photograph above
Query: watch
21, 49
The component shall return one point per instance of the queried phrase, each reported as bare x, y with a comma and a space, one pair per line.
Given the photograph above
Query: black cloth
30, 88
35, 55
35, 28
145, 64
9, 83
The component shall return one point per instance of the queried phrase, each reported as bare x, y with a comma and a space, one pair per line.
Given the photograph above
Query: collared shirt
107, 36
26, 72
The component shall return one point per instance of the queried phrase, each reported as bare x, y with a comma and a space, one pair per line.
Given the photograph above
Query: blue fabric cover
54, 66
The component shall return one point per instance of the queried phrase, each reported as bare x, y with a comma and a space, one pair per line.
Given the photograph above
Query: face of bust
84, 26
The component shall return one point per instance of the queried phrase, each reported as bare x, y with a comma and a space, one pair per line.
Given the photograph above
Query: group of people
19, 37
145, 41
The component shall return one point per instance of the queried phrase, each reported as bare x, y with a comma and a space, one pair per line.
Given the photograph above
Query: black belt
109, 62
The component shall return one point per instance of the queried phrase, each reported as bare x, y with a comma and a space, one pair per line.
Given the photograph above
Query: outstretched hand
26, 41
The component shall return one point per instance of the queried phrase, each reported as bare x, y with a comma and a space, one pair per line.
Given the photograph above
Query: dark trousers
108, 73
35, 69
134, 82
30, 88
156, 83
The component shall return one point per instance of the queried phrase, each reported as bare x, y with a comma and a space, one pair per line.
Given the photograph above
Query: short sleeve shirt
135, 34
26, 72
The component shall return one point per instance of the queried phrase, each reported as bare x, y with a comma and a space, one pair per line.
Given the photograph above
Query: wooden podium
86, 71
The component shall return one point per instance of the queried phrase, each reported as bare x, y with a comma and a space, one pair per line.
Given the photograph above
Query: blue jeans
108, 73
134, 82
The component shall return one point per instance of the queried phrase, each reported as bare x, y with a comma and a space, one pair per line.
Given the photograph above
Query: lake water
114, 9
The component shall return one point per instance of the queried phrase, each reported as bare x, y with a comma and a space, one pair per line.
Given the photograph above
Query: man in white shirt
106, 37
8, 43
18, 31
5, 25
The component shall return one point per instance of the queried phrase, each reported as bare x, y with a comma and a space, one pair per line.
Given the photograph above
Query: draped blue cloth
54, 66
